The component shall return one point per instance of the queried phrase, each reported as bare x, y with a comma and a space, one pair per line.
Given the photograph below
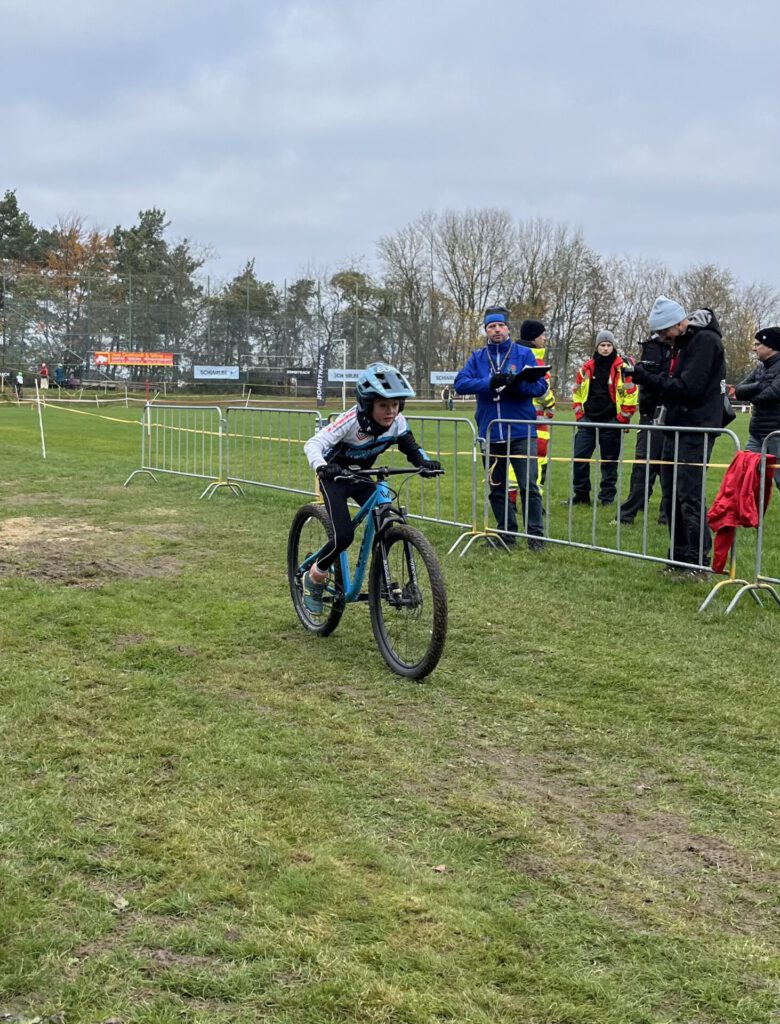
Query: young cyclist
358, 437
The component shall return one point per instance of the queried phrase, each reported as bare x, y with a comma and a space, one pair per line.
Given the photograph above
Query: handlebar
382, 472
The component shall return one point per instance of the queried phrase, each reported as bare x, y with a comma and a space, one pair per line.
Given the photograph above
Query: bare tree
633, 285
474, 258
576, 273
407, 262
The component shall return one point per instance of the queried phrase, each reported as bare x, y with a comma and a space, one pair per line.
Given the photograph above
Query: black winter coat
691, 391
653, 351
762, 388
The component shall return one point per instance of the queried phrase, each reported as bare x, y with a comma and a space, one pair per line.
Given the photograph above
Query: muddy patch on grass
644, 854
74, 553
30, 531
160, 959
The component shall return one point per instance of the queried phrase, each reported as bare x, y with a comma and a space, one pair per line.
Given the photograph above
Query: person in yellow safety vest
534, 334
602, 396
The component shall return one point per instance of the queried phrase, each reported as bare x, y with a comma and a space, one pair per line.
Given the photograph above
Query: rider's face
385, 410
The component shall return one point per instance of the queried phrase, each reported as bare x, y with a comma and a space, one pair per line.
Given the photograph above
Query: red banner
132, 358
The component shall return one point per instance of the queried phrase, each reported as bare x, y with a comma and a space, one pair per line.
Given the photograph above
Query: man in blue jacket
495, 375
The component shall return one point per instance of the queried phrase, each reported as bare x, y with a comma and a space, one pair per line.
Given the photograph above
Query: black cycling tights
335, 494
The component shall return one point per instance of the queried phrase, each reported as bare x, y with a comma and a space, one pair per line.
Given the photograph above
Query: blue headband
495, 318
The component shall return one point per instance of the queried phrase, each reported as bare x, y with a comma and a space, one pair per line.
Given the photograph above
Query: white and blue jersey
356, 439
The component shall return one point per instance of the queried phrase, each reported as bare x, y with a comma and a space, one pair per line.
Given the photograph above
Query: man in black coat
656, 356
691, 394
762, 388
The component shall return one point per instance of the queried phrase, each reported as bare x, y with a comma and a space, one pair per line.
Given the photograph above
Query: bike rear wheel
409, 618
311, 530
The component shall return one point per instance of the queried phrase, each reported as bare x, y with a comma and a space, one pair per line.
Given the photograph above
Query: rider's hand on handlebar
430, 468
330, 471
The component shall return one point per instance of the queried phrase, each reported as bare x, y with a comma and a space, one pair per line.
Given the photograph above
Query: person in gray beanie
667, 315
602, 397
691, 395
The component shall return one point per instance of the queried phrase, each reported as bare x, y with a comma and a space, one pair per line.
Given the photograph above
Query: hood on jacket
701, 319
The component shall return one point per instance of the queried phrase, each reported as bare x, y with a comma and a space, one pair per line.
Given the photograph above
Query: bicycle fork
398, 595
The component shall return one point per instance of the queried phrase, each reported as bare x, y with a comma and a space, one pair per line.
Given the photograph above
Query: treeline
67, 291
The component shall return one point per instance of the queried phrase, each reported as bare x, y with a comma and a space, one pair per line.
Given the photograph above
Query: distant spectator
534, 334
498, 375
761, 387
656, 357
59, 375
602, 397
19, 384
445, 396
43, 373
72, 382
692, 397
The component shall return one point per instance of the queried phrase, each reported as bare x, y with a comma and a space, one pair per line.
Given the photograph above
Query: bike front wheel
408, 609
311, 530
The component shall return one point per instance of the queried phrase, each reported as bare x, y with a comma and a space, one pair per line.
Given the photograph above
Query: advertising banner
338, 376
443, 376
215, 372
322, 369
132, 358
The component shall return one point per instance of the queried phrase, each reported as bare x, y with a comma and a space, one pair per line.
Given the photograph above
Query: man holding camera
506, 378
691, 395
656, 356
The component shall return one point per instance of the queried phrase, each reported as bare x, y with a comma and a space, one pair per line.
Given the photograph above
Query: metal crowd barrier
763, 578
763, 584
182, 440
450, 500
264, 447
599, 527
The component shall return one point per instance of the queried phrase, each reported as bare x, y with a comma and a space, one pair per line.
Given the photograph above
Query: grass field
210, 816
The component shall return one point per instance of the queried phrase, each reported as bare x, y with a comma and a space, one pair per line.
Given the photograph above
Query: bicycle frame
353, 585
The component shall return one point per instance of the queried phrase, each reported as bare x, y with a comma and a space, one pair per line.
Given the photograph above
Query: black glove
639, 374
499, 380
514, 383
330, 471
430, 467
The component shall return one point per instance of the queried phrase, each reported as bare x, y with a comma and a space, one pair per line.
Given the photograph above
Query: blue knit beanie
496, 316
665, 313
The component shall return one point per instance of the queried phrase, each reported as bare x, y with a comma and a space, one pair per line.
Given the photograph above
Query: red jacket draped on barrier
736, 503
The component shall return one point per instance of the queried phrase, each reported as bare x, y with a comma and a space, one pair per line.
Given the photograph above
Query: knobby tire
410, 637
301, 542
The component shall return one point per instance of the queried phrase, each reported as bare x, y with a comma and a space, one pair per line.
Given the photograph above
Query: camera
649, 365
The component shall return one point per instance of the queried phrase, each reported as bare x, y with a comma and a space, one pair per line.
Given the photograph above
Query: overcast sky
298, 133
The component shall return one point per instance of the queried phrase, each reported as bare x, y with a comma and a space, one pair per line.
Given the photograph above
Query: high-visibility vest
545, 409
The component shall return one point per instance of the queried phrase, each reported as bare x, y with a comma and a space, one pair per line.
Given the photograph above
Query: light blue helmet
380, 380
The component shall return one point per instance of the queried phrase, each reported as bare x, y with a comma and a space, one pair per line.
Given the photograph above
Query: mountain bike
407, 599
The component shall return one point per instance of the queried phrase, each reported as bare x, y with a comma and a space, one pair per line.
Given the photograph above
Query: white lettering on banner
340, 375
443, 376
215, 372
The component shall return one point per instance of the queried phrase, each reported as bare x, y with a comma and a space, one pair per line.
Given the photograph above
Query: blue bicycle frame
353, 586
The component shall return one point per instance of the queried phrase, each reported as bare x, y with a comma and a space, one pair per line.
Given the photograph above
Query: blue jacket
474, 379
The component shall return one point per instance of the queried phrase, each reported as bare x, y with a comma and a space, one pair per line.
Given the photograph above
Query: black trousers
649, 445
515, 451
691, 540
336, 494
609, 442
